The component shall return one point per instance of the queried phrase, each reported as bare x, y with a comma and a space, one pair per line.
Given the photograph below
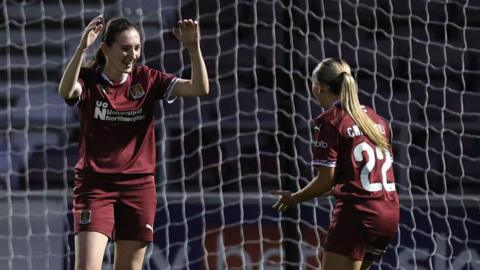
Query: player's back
364, 181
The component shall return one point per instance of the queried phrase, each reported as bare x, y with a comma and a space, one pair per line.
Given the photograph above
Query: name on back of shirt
355, 131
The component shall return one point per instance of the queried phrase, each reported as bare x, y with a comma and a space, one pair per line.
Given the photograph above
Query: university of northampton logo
137, 91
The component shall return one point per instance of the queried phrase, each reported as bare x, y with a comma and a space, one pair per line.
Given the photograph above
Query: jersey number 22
372, 157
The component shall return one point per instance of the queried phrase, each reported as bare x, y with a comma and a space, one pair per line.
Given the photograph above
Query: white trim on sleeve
168, 93
326, 163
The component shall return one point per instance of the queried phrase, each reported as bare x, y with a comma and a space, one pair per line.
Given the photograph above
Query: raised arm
69, 87
189, 34
320, 186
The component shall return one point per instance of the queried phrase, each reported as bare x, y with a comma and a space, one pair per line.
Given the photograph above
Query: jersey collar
336, 103
110, 82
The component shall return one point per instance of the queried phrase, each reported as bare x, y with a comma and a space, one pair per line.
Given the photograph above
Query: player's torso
117, 106
363, 167
116, 123
364, 181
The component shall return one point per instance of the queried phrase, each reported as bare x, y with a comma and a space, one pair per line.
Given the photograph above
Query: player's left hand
187, 32
285, 201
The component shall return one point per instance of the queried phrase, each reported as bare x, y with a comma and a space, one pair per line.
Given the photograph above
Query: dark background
416, 63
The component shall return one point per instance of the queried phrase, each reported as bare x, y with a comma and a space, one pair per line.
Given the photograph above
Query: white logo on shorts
148, 226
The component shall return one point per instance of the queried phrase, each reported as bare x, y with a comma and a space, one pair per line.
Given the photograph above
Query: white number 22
371, 161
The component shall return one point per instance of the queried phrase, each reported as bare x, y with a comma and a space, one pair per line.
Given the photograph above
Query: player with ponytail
352, 155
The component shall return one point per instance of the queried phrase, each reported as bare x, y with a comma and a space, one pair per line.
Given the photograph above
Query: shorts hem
94, 230
142, 239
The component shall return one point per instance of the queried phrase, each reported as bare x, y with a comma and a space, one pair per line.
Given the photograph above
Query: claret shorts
120, 206
354, 241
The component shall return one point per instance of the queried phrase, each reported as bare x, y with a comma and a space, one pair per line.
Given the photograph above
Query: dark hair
113, 27
336, 73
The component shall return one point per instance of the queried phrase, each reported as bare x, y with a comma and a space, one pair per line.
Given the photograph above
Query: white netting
416, 63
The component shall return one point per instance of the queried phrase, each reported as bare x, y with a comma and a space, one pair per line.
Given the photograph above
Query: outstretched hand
91, 32
285, 201
187, 32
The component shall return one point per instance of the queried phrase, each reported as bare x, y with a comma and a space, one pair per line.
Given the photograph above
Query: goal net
416, 62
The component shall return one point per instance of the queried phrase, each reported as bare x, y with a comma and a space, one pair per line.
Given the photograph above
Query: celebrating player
114, 192
353, 159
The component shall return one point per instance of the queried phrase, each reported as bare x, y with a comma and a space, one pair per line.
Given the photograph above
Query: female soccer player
353, 158
114, 192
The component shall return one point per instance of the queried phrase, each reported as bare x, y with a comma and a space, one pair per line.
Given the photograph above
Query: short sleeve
163, 84
325, 144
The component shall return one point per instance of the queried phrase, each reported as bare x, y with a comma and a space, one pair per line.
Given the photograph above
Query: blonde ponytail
349, 100
336, 73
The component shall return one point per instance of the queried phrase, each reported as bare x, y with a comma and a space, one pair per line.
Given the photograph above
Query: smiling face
123, 54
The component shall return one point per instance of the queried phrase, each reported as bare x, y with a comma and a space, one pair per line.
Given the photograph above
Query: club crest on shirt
136, 91
85, 217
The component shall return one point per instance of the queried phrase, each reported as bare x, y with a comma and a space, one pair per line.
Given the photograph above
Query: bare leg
89, 250
129, 254
335, 261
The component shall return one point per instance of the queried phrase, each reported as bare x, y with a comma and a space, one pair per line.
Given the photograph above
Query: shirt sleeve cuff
325, 163
168, 93
73, 101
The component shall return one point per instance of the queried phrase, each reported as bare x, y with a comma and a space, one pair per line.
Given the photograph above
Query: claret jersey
364, 181
117, 120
